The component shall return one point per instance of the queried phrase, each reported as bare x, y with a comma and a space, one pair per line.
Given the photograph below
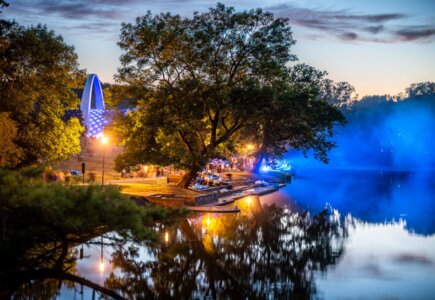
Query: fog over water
382, 135
383, 167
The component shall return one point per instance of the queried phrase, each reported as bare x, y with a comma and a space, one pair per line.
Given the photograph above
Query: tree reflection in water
265, 251
42, 270
262, 252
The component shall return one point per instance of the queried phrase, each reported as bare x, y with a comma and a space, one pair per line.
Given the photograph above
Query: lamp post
104, 141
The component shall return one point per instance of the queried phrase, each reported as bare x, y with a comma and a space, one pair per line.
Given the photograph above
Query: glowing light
250, 146
167, 237
102, 266
249, 200
265, 168
104, 140
209, 223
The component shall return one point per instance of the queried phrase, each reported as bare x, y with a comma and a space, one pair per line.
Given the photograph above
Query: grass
145, 189
92, 155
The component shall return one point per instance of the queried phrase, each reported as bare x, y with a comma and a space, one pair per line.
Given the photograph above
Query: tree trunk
257, 163
188, 177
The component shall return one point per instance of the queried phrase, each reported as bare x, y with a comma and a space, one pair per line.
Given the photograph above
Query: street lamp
104, 140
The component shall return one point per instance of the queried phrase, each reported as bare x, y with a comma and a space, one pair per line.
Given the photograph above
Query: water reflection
390, 252
374, 240
43, 269
266, 251
373, 196
382, 261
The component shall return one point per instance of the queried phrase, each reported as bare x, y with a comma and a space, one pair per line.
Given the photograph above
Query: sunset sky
380, 47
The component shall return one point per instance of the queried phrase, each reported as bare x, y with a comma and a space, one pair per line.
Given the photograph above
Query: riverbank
157, 191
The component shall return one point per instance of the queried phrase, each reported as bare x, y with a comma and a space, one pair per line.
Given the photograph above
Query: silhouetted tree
421, 89
336, 93
202, 80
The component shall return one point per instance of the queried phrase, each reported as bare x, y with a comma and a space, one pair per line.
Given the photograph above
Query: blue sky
379, 46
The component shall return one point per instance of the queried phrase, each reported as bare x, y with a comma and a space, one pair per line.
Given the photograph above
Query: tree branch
184, 140
61, 275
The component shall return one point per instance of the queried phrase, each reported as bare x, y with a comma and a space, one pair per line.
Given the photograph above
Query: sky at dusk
380, 47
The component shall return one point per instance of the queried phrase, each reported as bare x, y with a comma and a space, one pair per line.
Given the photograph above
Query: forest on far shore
394, 132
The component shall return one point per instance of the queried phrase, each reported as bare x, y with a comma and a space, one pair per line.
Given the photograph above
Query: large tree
37, 74
202, 81
295, 115
189, 71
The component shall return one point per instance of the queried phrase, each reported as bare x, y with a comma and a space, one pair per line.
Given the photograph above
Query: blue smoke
381, 135
371, 196
383, 167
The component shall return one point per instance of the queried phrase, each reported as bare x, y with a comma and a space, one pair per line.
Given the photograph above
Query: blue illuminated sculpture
92, 106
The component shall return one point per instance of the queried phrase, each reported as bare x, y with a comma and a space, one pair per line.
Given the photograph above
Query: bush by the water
36, 212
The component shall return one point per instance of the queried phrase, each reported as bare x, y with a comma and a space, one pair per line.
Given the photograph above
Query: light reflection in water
374, 252
102, 266
368, 247
390, 252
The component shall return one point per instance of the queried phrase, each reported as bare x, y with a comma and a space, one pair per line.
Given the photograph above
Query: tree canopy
337, 93
10, 154
37, 74
42, 223
294, 114
202, 81
421, 89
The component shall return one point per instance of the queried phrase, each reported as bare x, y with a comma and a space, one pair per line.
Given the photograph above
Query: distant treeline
386, 132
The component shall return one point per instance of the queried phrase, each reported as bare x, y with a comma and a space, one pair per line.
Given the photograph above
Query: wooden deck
214, 209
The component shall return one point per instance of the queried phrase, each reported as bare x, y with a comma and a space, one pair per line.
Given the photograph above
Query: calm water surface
390, 249
376, 240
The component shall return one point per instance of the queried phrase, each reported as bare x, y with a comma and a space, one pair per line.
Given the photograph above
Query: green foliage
34, 171
292, 114
35, 212
38, 72
191, 74
10, 153
209, 82
118, 96
43, 223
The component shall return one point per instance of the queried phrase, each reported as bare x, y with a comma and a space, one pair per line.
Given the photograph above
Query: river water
330, 234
